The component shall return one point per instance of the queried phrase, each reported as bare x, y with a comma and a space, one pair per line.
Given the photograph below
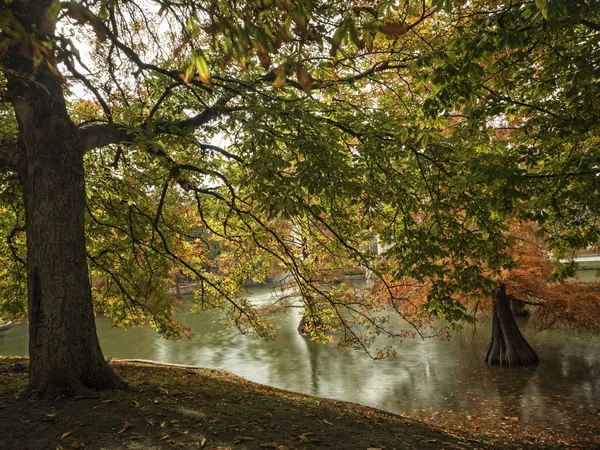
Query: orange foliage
555, 303
566, 303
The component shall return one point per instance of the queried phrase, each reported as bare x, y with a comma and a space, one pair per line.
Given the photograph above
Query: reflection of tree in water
447, 379
561, 397
313, 350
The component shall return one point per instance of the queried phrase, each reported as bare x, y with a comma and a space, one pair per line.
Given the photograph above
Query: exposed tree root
56, 383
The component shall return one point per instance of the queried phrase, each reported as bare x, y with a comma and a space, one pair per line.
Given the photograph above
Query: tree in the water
507, 346
532, 279
537, 281
359, 120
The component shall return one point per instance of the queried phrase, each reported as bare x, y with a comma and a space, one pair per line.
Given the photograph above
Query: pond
435, 380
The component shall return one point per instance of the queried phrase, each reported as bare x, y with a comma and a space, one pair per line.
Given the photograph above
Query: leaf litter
207, 409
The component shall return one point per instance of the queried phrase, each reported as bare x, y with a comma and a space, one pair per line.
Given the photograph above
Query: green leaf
280, 77
202, 69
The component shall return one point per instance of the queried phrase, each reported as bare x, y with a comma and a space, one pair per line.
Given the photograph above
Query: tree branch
98, 135
101, 134
594, 26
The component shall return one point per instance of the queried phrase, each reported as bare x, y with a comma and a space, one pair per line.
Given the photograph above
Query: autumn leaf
304, 437
126, 426
393, 29
77, 444
268, 445
164, 436
264, 57
82, 15
205, 77
238, 439
304, 78
279, 77
68, 433
77, 12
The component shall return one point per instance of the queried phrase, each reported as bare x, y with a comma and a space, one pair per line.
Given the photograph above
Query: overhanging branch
98, 135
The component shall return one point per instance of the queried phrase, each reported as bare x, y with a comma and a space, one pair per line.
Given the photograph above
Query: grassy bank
172, 407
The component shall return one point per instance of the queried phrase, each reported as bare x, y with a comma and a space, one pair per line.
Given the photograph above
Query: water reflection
427, 375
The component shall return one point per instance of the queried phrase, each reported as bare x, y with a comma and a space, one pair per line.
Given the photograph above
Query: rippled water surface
426, 375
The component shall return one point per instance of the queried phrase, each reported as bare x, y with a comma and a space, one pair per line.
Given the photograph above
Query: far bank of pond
439, 381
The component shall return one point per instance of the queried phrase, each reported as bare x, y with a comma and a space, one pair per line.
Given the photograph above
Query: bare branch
101, 134
222, 151
593, 25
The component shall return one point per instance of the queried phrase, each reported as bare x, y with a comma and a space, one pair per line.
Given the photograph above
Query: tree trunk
507, 346
517, 308
63, 346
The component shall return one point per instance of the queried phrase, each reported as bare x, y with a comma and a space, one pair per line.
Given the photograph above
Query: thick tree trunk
517, 308
507, 346
63, 346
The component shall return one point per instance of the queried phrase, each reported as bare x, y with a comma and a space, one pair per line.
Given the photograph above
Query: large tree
343, 119
151, 73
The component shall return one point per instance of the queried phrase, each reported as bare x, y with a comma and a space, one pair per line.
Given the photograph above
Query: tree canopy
220, 138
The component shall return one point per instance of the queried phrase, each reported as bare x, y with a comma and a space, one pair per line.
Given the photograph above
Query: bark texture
517, 308
507, 346
64, 349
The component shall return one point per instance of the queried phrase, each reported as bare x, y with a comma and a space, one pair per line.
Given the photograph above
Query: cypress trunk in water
517, 308
507, 346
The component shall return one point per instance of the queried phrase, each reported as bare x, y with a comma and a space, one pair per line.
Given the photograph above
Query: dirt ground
168, 407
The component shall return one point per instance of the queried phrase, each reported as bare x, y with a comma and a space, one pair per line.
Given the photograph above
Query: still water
427, 376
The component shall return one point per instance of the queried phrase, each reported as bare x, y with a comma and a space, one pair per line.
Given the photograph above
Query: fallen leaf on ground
77, 444
68, 433
327, 422
269, 445
151, 421
126, 426
304, 437
239, 439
